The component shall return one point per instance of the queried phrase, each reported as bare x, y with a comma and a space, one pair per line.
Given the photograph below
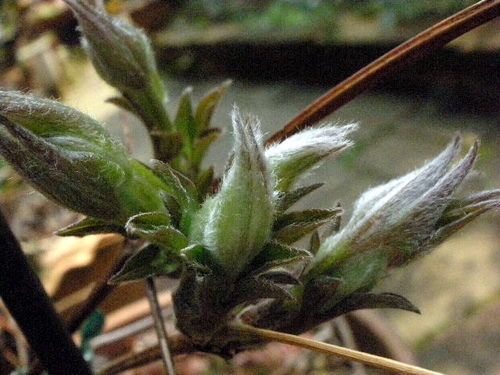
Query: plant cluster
231, 242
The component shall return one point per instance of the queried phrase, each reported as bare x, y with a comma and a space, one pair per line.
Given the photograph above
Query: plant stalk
31, 307
345, 353
161, 332
393, 61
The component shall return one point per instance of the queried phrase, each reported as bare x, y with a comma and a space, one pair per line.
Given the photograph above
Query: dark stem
30, 306
159, 325
396, 59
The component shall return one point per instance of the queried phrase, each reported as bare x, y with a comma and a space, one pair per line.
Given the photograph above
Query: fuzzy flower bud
121, 53
305, 150
71, 159
123, 57
237, 221
409, 215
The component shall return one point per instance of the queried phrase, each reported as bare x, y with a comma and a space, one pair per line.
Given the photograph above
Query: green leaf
279, 276
149, 261
204, 182
203, 143
155, 227
275, 254
89, 226
184, 121
253, 288
207, 104
306, 216
288, 199
360, 301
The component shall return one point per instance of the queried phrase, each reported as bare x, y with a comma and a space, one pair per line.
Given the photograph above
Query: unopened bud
237, 221
71, 159
297, 154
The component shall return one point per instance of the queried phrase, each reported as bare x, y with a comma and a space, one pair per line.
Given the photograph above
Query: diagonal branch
345, 353
396, 59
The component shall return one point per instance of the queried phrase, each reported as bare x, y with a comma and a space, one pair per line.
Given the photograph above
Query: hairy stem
159, 325
30, 306
396, 59
348, 354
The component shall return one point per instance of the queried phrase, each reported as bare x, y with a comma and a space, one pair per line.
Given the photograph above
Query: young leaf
89, 226
287, 199
178, 186
149, 261
155, 227
185, 123
358, 301
207, 104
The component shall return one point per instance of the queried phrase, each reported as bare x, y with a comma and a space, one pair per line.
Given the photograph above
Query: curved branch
396, 59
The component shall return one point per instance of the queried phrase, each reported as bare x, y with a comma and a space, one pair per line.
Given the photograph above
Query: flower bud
302, 151
71, 159
237, 221
121, 53
124, 58
409, 215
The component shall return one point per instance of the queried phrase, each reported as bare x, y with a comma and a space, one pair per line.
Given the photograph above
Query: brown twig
396, 59
345, 353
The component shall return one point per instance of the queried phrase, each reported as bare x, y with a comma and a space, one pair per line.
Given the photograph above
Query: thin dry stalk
348, 354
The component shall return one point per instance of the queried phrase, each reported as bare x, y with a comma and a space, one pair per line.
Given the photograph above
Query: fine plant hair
231, 241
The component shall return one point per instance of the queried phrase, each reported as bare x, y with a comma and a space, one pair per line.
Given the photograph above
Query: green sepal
314, 242
279, 275
288, 199
319, 291
206, 106
360, 301
276, 254
291, 227
204, 182
199, 258
89, 226
303, 217
254, 288
151, 260
181, 188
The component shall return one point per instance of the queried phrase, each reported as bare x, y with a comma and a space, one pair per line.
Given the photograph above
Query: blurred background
281, 55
